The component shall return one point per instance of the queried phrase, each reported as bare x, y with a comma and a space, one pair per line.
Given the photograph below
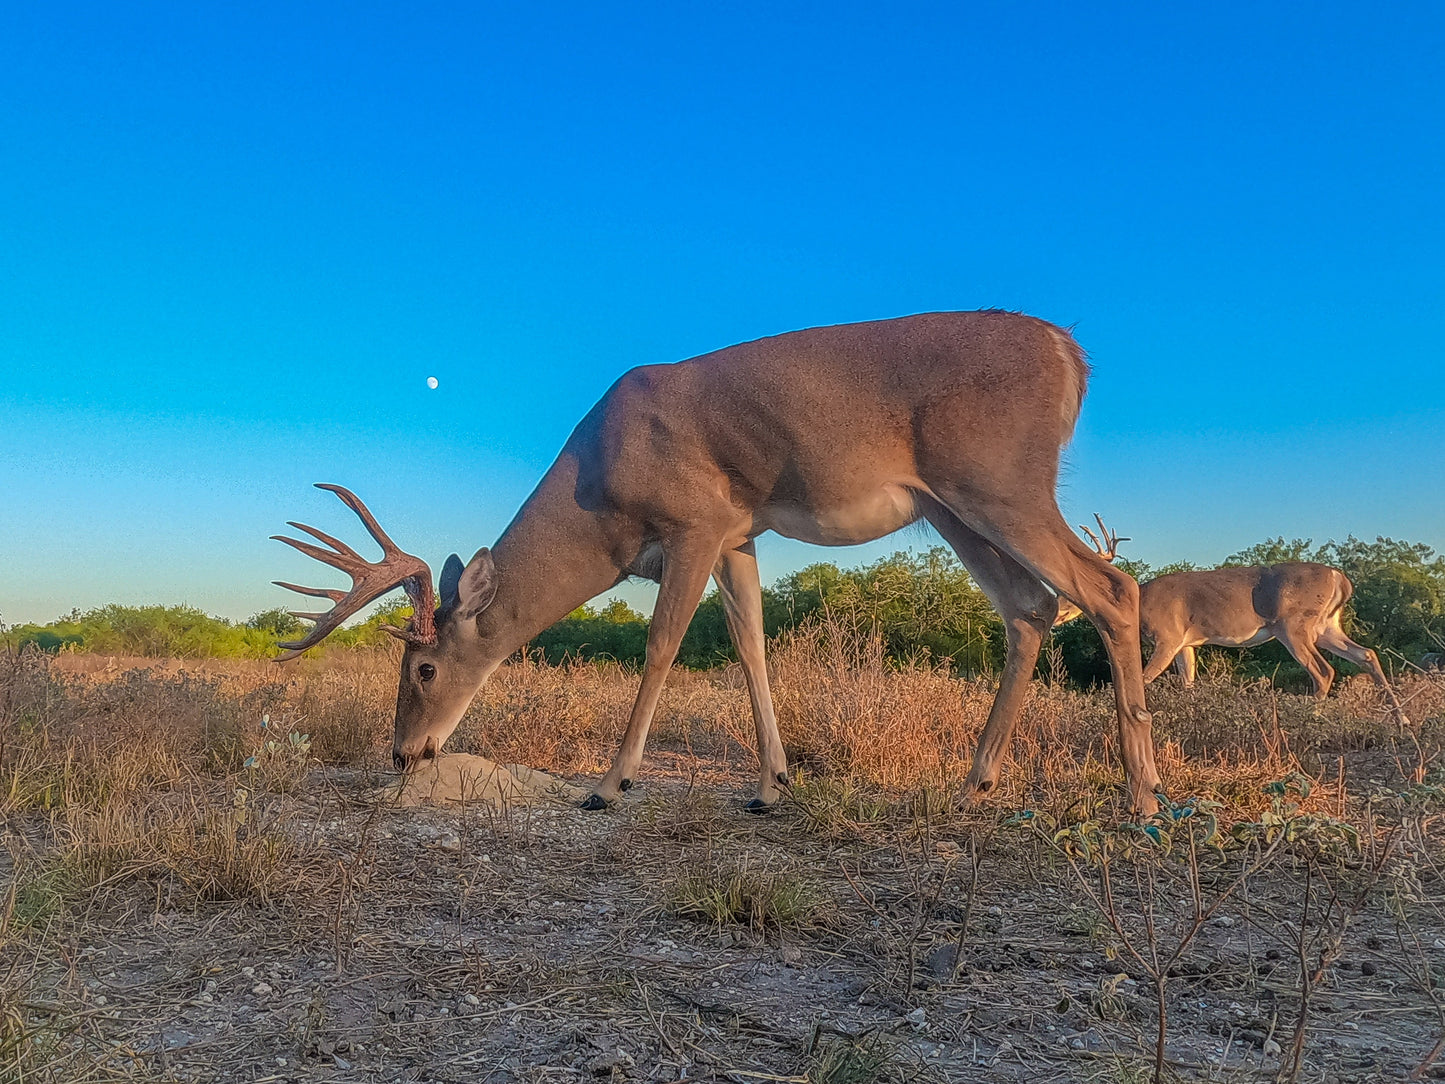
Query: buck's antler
369, 580
1108, 546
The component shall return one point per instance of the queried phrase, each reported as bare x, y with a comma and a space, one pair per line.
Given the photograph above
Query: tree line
924, 606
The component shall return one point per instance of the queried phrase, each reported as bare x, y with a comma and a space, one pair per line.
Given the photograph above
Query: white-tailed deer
835, 436
1298, 603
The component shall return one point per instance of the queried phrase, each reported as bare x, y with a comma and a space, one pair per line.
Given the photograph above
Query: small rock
942, 961
917, 1018
1368, 968
471, 999
341, 1063
1271, 1048
248, 972
262, 989
100, 999
1224, 921
791, 954
996, 912
609, 1063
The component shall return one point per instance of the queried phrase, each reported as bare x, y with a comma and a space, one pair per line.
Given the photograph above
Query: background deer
1298, 603
834, 436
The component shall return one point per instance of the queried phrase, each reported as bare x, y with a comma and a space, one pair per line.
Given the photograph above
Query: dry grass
747, 894
845, 712
136, 791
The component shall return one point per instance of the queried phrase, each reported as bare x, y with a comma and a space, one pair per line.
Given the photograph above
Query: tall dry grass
845, 710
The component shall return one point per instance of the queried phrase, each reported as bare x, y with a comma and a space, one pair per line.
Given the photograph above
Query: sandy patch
462, 777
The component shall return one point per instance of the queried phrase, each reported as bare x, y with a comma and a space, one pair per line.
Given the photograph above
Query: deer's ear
477, 585
451, 576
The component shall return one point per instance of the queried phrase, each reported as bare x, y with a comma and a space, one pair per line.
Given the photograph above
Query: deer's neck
553, 557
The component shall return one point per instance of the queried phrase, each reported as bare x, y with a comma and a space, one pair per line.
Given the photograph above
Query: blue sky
234, 242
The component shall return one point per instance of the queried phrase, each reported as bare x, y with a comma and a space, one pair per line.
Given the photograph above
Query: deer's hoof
757, 805
593, 801
626, 784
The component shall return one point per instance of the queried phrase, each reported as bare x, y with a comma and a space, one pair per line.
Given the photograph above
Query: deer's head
441, 666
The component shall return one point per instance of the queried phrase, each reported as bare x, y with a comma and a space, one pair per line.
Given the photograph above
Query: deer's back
826, 409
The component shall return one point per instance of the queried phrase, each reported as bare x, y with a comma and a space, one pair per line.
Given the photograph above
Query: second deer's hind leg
687, 563
742, 597
1336, 642
1184, 665
1300, 643
1028, 609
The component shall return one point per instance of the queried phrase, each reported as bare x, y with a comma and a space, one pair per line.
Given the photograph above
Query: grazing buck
1298, 603
835, 436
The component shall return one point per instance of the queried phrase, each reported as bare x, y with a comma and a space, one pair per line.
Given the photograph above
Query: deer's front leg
684, 575
742, 596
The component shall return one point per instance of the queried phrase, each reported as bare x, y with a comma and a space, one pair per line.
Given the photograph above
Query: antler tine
369, 579
352, 501
351, 562
1113, 537
1108, 546
335, 543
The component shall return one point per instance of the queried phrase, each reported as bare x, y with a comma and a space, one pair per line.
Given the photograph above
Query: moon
431, 382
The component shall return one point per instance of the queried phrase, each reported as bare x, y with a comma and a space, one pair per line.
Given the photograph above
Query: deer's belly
879, 512
1241, 638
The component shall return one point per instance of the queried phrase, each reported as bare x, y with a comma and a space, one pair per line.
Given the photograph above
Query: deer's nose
405, 761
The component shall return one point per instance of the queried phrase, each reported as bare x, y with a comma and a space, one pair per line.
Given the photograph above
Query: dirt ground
540, 944
281, 922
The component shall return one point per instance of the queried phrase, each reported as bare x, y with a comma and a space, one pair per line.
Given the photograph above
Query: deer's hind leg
1028, 609
742, 597
1301, 644
1185, 667
1034, 534
1336, 642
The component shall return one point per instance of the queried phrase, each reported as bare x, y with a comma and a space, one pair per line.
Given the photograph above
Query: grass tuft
742, 894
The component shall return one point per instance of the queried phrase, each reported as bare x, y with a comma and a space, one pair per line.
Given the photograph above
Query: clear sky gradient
236, 240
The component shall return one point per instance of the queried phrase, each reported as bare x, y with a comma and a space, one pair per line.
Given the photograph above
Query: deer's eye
426, 671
